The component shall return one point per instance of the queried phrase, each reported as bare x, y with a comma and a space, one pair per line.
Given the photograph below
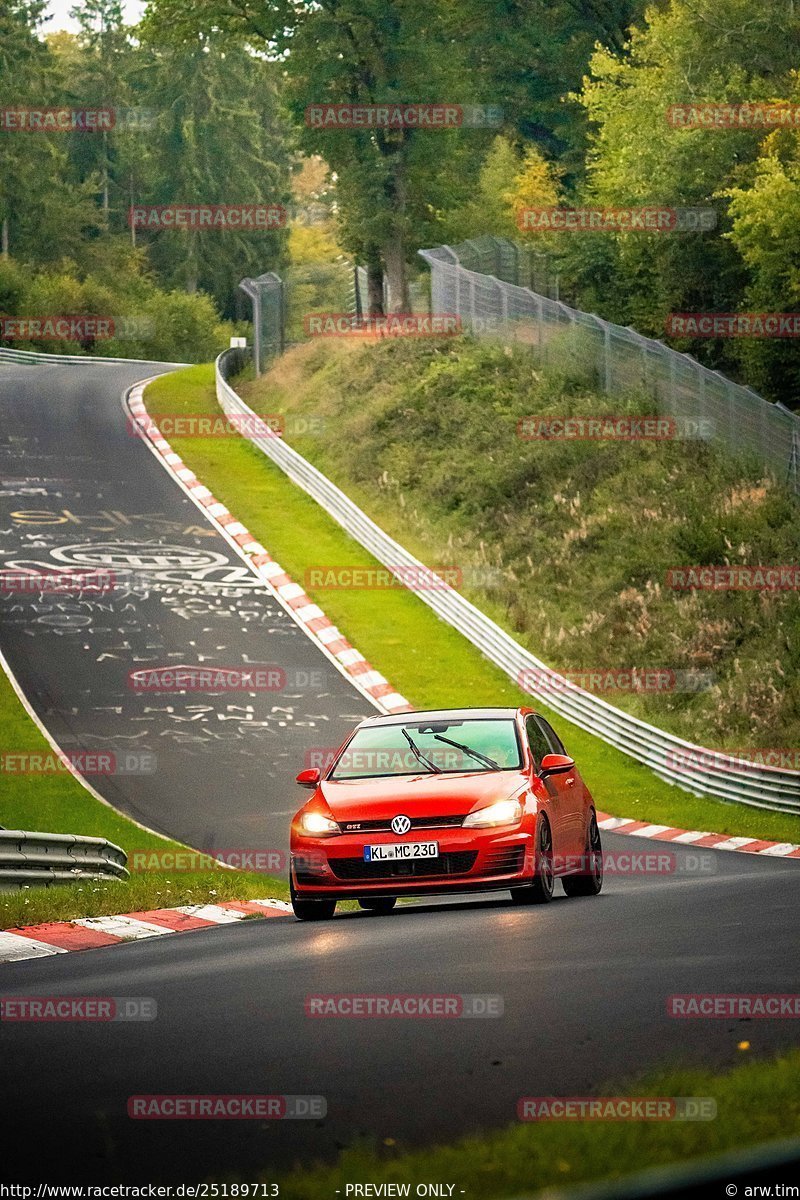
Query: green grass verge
140, 893
427, 660
756, 1102
570, 540
57, 803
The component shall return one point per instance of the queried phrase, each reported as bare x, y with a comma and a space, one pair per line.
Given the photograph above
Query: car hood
421, 795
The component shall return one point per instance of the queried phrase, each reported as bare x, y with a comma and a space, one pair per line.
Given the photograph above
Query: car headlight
504, 812
318, 825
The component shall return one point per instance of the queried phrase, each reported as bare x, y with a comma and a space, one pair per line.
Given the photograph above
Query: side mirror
309, 778
555, 764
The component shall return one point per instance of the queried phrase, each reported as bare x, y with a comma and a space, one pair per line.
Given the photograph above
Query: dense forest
210, 106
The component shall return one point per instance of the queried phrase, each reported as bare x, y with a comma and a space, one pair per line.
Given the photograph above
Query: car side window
536, 740
556, 745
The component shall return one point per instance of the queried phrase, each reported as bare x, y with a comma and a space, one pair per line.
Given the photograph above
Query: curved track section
79, 492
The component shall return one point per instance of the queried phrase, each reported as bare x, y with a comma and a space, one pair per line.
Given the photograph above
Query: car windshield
434, 747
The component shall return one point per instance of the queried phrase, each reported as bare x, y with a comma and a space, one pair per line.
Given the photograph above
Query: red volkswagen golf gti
456, 800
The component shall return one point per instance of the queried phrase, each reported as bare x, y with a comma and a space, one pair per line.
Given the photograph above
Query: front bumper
468, 860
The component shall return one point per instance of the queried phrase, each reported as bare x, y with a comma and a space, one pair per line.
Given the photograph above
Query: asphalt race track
78, 491
584, 983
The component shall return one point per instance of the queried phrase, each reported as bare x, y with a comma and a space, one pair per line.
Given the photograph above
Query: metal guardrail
41, 859
693, 768
37, 358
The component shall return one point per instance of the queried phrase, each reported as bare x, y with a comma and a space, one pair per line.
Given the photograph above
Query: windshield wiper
419, 755
484, 758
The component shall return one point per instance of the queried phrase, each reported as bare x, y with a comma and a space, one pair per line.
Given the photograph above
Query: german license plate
401, 850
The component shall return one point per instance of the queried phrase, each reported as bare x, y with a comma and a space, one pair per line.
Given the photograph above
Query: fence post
258, 333
793, 474
357, 292
607, 355
248, 286
503, 289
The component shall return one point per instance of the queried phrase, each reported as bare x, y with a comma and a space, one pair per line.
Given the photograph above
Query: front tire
590, 881
380, 905
540, 890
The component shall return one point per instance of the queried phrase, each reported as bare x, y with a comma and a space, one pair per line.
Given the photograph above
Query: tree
703, 50
220, 139
527, 56
392, 184
765, 230
101, 80
38, 216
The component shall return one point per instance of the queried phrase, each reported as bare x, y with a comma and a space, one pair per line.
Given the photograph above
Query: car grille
385, 824
506, 861
457, 863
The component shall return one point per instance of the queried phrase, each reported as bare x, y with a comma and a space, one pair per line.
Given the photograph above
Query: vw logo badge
401, 825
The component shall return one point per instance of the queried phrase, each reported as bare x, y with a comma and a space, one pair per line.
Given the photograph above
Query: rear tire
540, 890
311, 910
380, 905
590, 881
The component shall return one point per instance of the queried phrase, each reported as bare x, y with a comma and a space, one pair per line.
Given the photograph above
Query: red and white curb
88, 933
305, 612
697, 838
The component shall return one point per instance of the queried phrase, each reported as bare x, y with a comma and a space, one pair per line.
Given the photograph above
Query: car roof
440, 714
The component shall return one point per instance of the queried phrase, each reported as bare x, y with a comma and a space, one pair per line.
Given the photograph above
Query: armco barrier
35, 358
671, 758
39, 859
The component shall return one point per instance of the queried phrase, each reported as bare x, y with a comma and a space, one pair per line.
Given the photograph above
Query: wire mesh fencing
283, 305
479, 281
